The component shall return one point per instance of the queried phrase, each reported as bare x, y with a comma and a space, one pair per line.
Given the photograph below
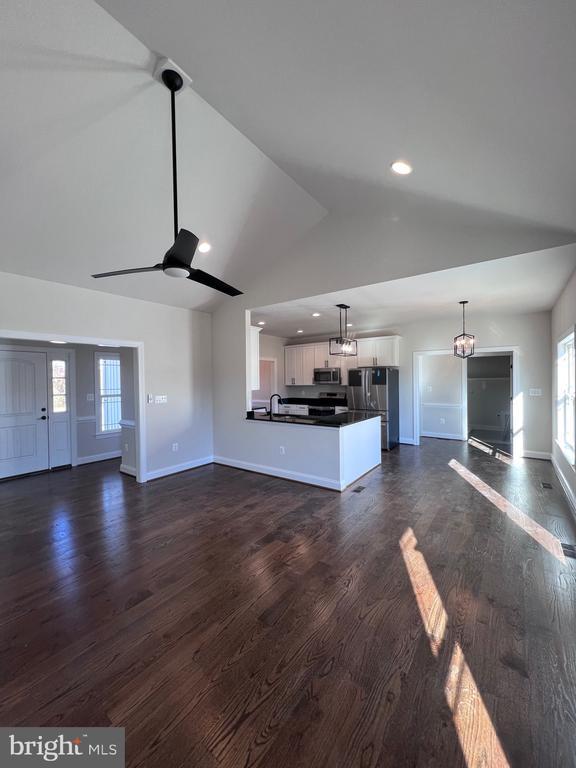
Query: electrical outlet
282, 450
175, 447
90, 397
442, 420
125, 446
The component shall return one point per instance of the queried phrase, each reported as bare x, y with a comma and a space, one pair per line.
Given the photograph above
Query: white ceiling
480, 96
85, 164
527, 283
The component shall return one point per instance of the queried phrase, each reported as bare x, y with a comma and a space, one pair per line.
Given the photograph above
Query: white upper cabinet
292, 365
299, 364
321, 356
366, 352
308, 364
384, 350
300, 360
387, 351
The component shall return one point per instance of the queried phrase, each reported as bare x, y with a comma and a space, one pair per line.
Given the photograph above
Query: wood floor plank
230, 619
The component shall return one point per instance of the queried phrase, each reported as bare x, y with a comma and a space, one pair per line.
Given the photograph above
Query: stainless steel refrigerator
376, 390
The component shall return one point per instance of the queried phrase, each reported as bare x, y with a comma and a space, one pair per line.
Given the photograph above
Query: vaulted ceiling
85, 164
297, 108
480, 96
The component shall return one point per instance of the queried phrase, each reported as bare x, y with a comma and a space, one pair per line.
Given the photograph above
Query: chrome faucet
279, 402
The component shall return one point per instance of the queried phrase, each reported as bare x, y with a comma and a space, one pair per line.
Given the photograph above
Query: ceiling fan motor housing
164, 66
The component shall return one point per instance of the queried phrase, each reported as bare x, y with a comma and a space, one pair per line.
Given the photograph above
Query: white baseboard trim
126, 470
99, 457
536, 455
286, 474
175, 468
441, 436
568, 492
407, 441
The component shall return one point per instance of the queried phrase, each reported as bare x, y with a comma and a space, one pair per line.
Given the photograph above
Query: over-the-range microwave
327, 376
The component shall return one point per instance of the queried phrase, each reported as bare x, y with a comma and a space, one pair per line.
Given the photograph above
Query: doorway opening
67, 402
490, 396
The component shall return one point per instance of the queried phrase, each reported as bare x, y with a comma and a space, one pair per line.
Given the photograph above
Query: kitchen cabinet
301, 359
299, 363
292, 365
383, 350
293, 410
387, 350
321, 356
366, 352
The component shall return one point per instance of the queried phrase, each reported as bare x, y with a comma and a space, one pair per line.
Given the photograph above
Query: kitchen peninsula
341, 447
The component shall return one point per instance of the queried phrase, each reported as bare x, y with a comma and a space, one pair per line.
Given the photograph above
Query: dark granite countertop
338, 420
336, 401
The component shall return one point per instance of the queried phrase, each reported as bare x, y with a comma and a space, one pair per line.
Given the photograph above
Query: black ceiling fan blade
155, 268
183, 249
213, 282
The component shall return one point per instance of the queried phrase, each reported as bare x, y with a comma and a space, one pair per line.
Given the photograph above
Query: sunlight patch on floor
530, 526
491, 450
429, 601
476, 734
478, 740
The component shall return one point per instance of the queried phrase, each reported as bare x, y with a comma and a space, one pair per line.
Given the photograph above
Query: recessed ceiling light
348, 325
315, 314
300, 331
261, 322
55, 341
401, 167
204, 247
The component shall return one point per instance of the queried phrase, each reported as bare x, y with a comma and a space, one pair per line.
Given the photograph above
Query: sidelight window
108, 393
565, 397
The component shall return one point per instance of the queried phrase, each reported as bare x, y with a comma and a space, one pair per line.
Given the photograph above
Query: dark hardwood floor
229, 619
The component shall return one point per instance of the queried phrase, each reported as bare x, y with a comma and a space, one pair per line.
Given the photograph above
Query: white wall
273, 347
563, 320
177, 355
530, 332
441, 396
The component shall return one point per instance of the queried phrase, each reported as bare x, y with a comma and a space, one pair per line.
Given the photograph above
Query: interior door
23, 413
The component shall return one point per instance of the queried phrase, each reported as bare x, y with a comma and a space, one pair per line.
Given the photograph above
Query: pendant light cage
343, 345
464, 342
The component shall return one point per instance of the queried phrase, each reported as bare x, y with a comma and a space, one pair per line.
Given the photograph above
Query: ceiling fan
178, 259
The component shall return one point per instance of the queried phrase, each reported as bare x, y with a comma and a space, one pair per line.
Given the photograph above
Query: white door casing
23, 413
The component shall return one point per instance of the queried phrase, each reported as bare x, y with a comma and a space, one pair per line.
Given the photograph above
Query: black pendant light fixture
342, 345
177, 261
464, 343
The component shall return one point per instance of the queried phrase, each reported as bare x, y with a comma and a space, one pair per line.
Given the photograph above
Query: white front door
23, 413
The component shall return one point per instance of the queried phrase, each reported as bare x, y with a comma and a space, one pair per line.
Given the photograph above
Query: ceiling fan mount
177, 260
172, 80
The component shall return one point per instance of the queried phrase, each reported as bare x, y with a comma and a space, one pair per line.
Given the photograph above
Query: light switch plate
90, 397
535, 392
149, 399
161, 399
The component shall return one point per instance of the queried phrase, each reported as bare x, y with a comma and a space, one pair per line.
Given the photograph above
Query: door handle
42, 418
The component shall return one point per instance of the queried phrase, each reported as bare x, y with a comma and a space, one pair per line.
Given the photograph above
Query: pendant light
342, 345
464, 343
